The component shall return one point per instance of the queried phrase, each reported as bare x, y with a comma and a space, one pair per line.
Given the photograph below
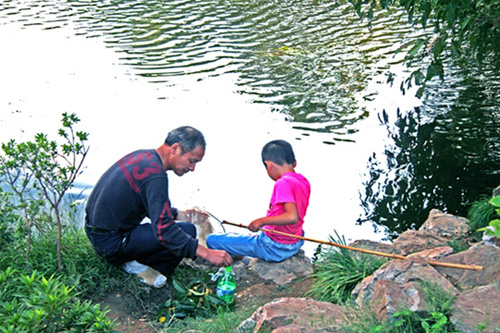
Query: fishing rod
383, 254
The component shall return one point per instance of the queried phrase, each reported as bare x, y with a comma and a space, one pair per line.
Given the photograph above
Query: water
246, 73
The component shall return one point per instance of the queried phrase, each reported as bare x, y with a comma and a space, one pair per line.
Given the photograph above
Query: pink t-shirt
290, 187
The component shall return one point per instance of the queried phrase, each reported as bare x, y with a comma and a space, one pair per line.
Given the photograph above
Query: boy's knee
210, 241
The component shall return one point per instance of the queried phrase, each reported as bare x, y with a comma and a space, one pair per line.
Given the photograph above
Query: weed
479, 215
338, 271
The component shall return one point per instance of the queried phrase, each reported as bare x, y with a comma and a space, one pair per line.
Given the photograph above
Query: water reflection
444, 154
305, 60
313, 64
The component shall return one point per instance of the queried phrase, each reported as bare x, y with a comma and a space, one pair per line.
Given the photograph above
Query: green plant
458, 245
48, 168
8, 220
494, 226
33, 303
194, 298
223, 322
91, 275
338, 271
479, 215
463, 32
14, 171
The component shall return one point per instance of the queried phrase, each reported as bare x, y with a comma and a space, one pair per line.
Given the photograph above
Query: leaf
179, 287
418, 44
495, 201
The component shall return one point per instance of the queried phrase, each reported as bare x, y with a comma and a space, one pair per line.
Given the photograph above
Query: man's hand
216, 257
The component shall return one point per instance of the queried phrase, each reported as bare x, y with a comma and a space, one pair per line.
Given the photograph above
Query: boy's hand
255, 225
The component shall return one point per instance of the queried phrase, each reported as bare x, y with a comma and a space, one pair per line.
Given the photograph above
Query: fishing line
212, 216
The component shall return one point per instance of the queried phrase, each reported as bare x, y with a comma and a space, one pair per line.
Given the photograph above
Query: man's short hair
187, 137
279, 152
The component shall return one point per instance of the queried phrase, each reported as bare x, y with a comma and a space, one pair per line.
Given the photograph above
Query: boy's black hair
279, 152
187, 137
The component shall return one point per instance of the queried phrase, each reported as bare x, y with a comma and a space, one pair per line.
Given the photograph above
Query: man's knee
188, 228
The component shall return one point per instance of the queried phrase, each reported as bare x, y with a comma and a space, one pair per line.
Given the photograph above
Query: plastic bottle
226, 286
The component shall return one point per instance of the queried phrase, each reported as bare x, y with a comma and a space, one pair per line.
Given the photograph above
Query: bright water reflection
244, 72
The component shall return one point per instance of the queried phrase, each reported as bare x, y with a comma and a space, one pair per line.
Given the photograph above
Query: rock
478, 309
445, 225
400, 271
394, 286
496, 191
374, 246
282, 272
412, 241
389, 297
295, 315
480, 254
433, 254
492, 240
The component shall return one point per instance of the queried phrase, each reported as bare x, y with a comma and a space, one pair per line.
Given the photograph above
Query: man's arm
216, 257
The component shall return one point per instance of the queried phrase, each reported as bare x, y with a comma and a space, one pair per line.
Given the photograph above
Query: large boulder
282, 272
445, 225
478, 309
412, 241
295, 315
389, 297
484, 255
402, 272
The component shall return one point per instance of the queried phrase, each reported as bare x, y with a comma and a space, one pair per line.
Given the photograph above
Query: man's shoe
148, 275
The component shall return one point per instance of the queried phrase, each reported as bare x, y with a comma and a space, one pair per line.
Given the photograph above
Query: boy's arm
290, 216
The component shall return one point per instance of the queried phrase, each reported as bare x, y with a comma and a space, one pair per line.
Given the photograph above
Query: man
136, 187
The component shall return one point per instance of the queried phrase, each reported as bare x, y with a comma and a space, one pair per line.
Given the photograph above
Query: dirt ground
251, 291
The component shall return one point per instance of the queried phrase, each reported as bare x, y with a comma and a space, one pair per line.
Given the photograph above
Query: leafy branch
463, 30
45, 168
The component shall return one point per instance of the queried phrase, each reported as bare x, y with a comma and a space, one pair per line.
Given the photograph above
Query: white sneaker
148, 275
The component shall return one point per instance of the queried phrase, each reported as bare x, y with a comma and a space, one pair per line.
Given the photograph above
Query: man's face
183, 163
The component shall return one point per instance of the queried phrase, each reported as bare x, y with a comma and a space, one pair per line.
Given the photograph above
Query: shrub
33, 303
40, 173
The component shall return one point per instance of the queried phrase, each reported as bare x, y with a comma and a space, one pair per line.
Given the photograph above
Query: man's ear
176, 148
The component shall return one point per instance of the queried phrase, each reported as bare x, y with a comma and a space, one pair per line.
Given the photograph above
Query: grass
435, 319
91, 279
338, 271
479, 215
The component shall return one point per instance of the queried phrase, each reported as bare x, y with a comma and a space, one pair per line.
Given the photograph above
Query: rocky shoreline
395, 285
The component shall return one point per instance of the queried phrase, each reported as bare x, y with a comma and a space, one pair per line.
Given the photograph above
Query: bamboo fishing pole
383, 254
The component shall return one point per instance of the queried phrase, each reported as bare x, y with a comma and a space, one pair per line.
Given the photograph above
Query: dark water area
313, 65
444, 154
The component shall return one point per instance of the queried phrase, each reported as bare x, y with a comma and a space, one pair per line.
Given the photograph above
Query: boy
286, 212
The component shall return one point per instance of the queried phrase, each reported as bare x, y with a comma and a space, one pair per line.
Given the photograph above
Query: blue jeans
258, 246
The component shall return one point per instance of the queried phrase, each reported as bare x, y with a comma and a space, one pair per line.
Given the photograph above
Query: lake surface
245, 73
